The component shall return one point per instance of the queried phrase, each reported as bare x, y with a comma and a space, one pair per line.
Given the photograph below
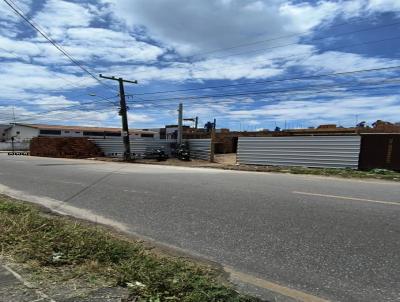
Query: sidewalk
14, 289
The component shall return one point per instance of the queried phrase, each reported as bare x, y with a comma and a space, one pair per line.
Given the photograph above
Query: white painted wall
18, 146
24, 133
3, 132
21, 133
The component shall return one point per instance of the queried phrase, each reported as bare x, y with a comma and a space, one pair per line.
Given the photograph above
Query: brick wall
64, 147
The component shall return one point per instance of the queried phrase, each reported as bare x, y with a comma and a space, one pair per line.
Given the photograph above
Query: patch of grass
376, 173
59, 248
346, 173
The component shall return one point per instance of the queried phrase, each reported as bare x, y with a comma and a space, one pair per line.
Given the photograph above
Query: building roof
73, 128
77, 128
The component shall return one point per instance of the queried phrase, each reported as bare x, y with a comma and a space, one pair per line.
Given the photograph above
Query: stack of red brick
66, 147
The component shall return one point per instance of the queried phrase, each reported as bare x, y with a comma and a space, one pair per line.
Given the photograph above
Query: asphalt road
333, 239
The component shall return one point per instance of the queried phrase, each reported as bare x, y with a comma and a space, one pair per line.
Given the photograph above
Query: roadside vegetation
346, 173
59, 248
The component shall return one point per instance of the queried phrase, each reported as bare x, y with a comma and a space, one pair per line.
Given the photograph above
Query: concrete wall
23, 146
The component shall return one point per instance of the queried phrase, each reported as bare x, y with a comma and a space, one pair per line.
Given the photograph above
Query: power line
71, 83
35, 115
274, 39
269, 40
305, 58
76, 106
314, 39
286, 91
55, 44
312, 92
277, 80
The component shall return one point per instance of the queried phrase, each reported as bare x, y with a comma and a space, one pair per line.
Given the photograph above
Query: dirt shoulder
228, 162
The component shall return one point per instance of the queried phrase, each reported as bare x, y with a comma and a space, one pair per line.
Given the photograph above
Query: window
77, 132
50, 132
86, 133
147, 135
66, 131
18, 132
113, 133
92, 133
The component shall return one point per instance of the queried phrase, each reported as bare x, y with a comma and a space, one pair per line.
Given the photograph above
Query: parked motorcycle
183, 152
158, 154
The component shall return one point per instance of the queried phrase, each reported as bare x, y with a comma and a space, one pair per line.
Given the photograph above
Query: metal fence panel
200, 148
114, 147
309, 151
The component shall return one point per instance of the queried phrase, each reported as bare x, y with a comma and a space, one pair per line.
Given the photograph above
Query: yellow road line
273, 287
348, 198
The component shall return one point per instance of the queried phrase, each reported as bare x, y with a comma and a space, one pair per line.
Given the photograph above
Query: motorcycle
183, 152
158, 154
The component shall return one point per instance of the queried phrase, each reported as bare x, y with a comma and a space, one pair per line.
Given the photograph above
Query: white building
25, 132
3, 132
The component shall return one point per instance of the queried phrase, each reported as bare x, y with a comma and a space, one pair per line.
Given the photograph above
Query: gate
380, 151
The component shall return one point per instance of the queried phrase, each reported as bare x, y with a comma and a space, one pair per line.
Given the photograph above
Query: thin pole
180, 121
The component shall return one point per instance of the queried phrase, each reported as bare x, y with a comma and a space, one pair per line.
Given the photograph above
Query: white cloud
22, 80
344, 109
57, 15
304, 16
140, 118
383, 5
192, 25
335, 61
52, 102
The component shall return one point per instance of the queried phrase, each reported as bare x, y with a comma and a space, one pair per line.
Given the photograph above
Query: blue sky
233, 60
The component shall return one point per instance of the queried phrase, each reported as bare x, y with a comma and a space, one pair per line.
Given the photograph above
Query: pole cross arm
118, 79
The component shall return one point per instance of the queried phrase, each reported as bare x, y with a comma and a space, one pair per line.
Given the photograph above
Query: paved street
331, 239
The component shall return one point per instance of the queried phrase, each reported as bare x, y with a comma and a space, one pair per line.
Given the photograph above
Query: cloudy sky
251, 64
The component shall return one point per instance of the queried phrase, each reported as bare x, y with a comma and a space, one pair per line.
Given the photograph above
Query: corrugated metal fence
200, 148
309, 151
114, 147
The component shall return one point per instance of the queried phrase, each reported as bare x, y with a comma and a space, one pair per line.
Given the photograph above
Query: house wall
25, 133
3, 132
21, 133
71, 133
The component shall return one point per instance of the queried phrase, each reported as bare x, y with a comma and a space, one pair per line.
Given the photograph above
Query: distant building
171, 131
25, 132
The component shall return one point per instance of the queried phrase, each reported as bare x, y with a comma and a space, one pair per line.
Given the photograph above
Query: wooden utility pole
123, 112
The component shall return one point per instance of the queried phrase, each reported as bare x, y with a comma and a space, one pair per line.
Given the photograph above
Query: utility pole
180, 122
123, 112
193, 120
212, 146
